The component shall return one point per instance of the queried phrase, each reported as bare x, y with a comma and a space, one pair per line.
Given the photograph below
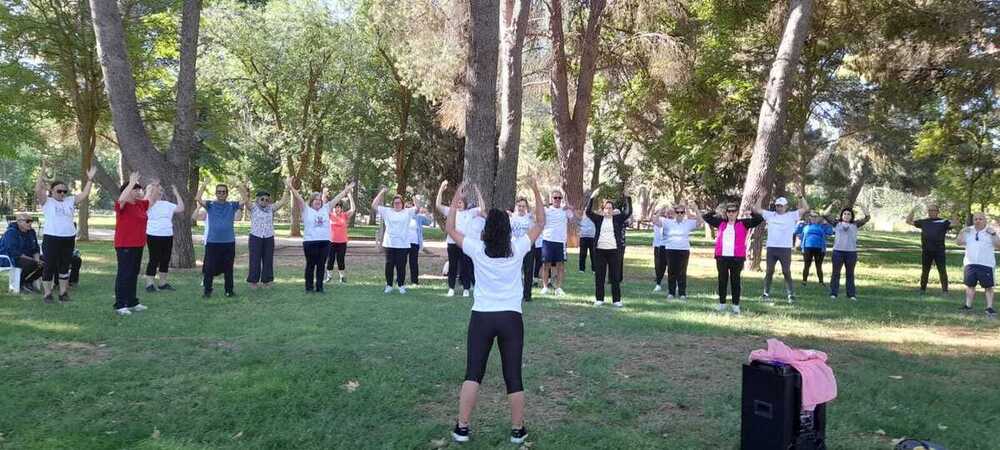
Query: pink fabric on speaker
818, 382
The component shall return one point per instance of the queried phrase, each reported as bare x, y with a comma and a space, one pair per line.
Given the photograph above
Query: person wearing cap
933, 232
20, 244
781, 225
260, 242
980, 241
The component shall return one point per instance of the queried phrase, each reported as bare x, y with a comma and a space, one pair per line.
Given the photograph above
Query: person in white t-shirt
315, 232
781, 224
395, 241
496, 309
469, 219
521, 220
980, 241
58, 230
659, 252
558, 216
160, 235
676, 229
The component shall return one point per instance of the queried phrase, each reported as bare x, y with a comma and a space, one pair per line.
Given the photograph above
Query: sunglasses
556, 198
221, 192
731, 210
679, 211
62, 191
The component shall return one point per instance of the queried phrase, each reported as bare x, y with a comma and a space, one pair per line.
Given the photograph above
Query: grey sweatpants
784, 255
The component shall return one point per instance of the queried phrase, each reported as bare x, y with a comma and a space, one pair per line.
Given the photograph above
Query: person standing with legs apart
731, 249
496, 309
520, 222
130, 238
415, 234
845, 250
20, 244
781, 225
396, 220
812, 235
160, 235
458, 264
260, 242
980, 241
59, 230
677, 228
659, 252
933, 232
608, 247
220, 242
315, 232
587, 234
339, 219
557, 220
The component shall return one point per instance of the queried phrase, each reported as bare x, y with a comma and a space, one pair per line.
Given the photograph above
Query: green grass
270, 369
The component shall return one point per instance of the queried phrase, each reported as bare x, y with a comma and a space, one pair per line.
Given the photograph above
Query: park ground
354, 368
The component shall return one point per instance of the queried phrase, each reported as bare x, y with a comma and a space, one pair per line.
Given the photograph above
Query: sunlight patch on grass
44, 325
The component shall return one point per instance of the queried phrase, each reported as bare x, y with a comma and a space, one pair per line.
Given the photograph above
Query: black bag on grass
916, 444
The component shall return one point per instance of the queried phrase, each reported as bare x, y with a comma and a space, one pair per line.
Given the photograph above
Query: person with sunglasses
220, 242
20, 244
730, 249
459, 265
131, 220
160, 236
59, 230
558, 217
609, 246
677, 228
315, 232
396, 220
339, 220
812, 239
781, 225
933, 232
980, 241
845, 250
260, 241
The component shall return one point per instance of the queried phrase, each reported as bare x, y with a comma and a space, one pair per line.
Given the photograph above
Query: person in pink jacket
730, 249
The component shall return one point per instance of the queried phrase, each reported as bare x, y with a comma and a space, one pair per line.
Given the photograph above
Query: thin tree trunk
514, 14
595, 171
400, 157
481, 114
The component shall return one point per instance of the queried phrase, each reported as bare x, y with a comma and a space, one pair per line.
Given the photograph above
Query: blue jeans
847, 260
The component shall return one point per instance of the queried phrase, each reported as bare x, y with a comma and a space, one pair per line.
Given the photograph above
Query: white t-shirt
556, 221
204, 236
979, 252
411, 232
498, 280
658, 232
677, 235
780, 228
606, 240
59, 217
160, 219
519, 225
729, 240
466, 223
316, 223
396, 225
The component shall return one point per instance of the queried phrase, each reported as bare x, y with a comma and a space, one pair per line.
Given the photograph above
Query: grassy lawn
355, 368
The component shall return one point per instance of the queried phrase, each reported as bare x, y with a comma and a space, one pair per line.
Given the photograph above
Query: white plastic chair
14, 275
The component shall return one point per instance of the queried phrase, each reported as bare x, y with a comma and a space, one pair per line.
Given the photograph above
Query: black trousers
460, 267
219, 258
536, 254
508, 330
677, 271
811, 255
934, 257
261, 258
129, 263
607, 265
586, 246
31, 270
316, 253
413, 256
74, 269
57, 252
395, 260
160, 248
338, 251
659, 263
527, 275
729, 268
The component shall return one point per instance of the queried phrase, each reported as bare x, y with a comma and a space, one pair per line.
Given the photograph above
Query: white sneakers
598, 303
402, 290
465, 292
657, 288
617, 304
560, 292
544, 291
670, 296
387, 290
736, 310
451, 293
328, 277
139, 307
123, 312
683, 298
722, 308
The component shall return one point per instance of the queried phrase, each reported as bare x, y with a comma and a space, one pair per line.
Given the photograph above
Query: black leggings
729, 268
933, 257
338, 251
677, 271
160, 248
316, 252
395, 260
527, 272
57, 253
536, 254
659, 263
586, 246
459, 266
606, 264
508, 329
810, 255
413, 255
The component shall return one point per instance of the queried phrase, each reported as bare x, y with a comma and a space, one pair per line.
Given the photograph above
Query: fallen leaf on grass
895, 377
942, 427
439, 443
238, 435
351, 385
156, 433
898, 440
880, 432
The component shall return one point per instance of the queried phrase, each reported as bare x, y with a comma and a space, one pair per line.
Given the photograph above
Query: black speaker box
772, 416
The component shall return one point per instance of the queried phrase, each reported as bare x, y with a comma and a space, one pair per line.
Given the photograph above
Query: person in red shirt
130, 238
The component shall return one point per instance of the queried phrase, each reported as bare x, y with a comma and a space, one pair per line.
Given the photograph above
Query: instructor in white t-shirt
58, 230
980, 241
558, 216
781, 225
396, 243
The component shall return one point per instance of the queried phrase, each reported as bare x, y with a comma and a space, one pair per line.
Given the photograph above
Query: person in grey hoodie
845, 250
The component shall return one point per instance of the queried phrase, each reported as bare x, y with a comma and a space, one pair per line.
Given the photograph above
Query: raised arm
180, 201
539, 212
85, 193
756, 210
153, 191
199, 198
909, 217
336, 199
350, 199
693, 213
377, 201
297, 199
589, 210
628, 207
440, 198
40, 195
133, 181
479, 201
960, 240
803, 205
283, 201
862, 222
450, 222
245, 198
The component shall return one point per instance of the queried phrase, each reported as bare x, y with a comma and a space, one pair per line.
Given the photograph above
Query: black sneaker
166, 287
207, 294
48, 299
230, 294
460, 434
518, 436
343, 280
991, 313
965, 308
150, 288
64, 298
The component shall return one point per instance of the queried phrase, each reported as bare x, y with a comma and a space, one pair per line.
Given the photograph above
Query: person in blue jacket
415, 234
20, 244
812, 235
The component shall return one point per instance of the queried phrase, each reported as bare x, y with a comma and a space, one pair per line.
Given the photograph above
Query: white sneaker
598, 303
387, 290
123, 312
791, 299
544, 291
683, 298
657, 288
736, 310
465, 292
451, 293
670, 296
617, 304
402, 290
139, 307
854, 299
560, 292
328, 277
721, 307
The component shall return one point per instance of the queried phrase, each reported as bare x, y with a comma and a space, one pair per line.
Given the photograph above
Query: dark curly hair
496, 235
854, 215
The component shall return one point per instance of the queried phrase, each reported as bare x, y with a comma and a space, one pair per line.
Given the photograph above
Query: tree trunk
514, 14
595, 171
399, 157
854, 190
481, 114
774, 110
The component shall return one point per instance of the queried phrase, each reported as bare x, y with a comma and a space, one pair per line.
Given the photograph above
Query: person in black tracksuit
609, 247
933, 232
